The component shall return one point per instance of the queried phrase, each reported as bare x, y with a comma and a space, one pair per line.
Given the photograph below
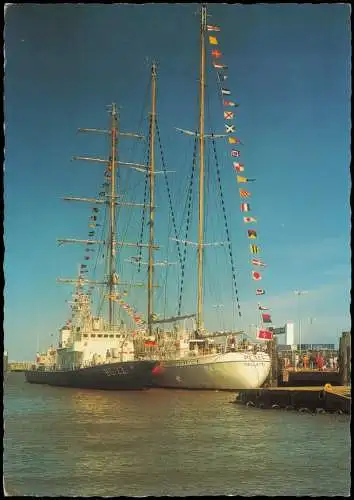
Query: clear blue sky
289, 69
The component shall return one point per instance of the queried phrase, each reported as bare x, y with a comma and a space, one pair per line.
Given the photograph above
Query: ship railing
169, 351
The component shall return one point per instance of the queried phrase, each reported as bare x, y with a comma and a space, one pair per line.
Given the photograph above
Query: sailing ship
192, 358
94, 352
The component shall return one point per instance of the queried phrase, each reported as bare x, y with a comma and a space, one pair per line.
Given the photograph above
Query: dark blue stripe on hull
134, 375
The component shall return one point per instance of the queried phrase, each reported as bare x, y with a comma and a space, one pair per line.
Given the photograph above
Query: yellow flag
213, 40
232, 140
241, 179
254, 249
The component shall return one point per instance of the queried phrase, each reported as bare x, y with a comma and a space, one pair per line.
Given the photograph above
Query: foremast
112, 200
201, 171
112, 279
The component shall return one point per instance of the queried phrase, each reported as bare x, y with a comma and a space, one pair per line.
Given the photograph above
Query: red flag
230, 103
150, 343
264, 335
216, 53
238, 167
266, 318
256, 275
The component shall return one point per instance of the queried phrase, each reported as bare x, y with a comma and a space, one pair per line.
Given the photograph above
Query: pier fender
304, 410
250, 404
275, 406
320, 410
339, 412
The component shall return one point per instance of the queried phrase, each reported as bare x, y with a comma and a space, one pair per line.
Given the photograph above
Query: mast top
203, 12
112, 108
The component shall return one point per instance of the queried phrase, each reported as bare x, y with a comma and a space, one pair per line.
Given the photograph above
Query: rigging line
101, 299
208, 106
166, 274
212, 261
125, 182
189, 213
128, 222
147, 155
233, 285
226, 226
168, 189
101, 248
185, 191
134, 144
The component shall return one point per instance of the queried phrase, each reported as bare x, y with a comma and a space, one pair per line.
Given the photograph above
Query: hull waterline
131, 375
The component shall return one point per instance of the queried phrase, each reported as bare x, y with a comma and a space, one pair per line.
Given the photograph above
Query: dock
19, 366
331, 399
308, 377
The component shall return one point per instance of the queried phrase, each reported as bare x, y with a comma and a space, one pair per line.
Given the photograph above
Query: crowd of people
312, 361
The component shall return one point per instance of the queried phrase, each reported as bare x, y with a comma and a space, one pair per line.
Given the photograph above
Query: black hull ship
134, 375
100, 351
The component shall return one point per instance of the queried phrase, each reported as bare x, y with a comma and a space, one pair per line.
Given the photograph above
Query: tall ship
98, 351
190, 356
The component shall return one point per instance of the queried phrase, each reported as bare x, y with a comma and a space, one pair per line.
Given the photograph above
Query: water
71, 442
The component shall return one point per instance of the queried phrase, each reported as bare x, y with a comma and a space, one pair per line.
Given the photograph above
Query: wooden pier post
345, 358
272, 380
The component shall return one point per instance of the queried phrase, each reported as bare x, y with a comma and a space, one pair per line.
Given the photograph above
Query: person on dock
312, 361
297, 358
331, 363
306, 361
319, 362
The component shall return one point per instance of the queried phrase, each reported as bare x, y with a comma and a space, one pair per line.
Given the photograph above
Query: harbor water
71, 442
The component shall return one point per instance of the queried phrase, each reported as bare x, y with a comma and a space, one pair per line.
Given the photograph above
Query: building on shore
5, 362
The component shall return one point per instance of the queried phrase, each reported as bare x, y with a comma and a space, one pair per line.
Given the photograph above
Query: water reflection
161, 442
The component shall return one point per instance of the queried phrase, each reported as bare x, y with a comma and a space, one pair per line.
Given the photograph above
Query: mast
201, 171
112, 214
152, 199
111, 200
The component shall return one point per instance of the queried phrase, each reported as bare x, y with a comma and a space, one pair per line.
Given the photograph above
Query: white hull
228, 371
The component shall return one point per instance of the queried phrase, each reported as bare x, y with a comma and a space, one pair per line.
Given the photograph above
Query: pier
305, 399
308, 377
19, 366
304, 389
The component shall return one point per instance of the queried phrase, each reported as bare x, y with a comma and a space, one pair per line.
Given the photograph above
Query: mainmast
201, 171
112, 214
152, 199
